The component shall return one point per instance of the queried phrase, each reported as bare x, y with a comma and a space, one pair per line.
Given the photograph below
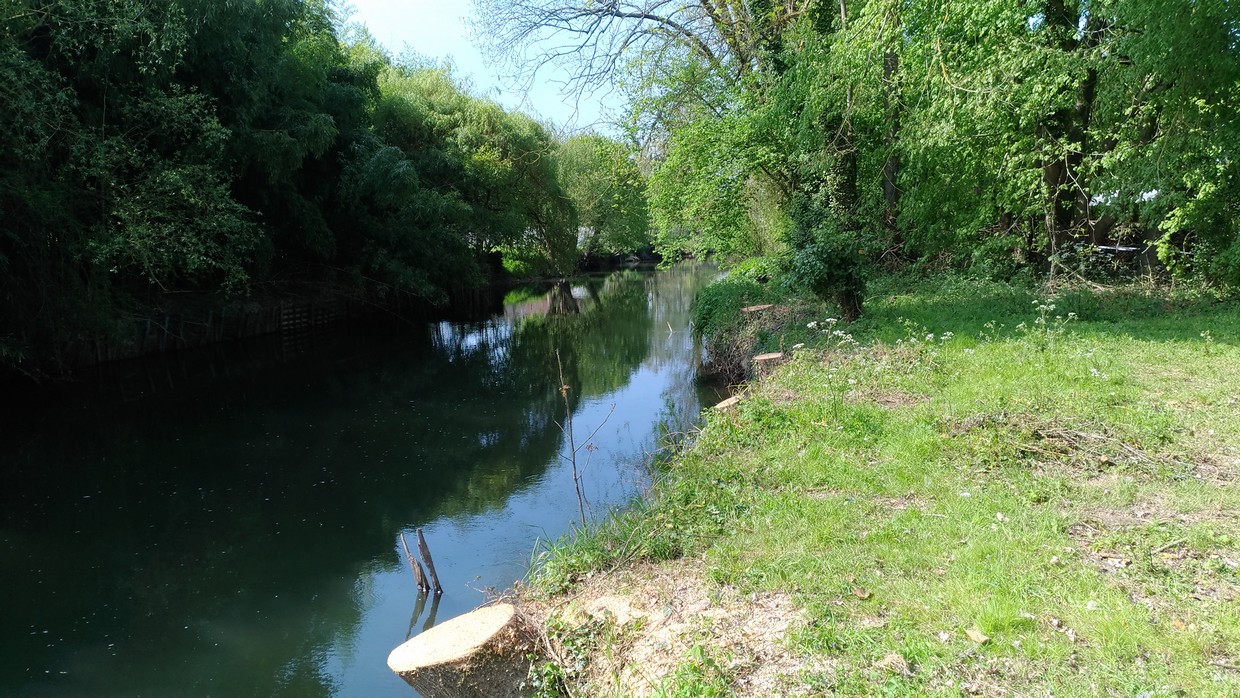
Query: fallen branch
419, 576
430, 564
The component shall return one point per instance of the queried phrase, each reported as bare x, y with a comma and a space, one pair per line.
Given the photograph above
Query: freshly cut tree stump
483, 654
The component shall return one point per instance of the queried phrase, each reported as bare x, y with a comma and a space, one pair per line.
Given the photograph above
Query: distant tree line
841, 136
154, 149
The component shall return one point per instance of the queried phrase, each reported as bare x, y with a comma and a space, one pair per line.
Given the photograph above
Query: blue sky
439, 30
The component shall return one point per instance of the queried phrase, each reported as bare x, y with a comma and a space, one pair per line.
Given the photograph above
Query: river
240, 536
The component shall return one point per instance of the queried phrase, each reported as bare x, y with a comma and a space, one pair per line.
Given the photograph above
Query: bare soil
653, 615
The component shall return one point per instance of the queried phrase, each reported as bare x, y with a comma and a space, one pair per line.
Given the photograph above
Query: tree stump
483, 654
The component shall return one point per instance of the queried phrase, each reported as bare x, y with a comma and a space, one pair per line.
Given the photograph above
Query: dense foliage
156, 150
608, 191
1052, 135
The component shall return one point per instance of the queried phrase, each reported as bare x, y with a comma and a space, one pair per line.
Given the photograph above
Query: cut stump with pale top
485, 653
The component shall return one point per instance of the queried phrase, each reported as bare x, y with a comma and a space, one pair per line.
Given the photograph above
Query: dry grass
655, 615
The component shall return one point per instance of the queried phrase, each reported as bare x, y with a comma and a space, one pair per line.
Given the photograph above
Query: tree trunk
483, 654
1059, 199
1083, 113
1065, 176
850, 304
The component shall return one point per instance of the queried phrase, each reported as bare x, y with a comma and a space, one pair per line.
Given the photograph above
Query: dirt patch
1204, 576
782, 396
881, 504
908, 501
1214, 469
1151, 508
643, 622
822, 495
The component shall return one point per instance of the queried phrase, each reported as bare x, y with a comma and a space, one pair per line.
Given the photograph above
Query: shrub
827, 261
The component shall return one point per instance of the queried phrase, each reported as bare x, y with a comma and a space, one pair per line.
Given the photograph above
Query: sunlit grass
977, 464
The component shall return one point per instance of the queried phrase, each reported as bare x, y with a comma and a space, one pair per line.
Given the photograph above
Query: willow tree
115, 182
487, 177
601, 178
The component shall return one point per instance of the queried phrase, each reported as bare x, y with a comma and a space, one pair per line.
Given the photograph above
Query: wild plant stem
572, 446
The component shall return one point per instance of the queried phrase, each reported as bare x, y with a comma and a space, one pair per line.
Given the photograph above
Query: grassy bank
976, 490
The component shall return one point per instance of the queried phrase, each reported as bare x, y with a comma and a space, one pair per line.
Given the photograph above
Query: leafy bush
757, 269
827, 261
718, 306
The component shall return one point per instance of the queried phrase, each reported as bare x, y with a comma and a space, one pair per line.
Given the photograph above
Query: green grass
699, 675
1064, 485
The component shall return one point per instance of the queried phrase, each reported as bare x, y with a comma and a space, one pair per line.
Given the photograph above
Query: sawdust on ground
653, 615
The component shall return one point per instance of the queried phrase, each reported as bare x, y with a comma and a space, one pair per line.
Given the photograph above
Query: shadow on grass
901, 307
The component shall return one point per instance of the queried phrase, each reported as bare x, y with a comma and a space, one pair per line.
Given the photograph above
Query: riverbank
976, 490
226, 464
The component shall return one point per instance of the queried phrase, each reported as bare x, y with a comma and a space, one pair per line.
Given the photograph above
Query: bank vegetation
980, 488
167, 155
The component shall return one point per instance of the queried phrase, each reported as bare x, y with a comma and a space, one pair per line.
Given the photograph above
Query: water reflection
242, 539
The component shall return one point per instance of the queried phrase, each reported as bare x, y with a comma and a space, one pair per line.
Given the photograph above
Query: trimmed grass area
976, 490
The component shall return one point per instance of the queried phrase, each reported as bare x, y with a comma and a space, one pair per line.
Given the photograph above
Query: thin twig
568, 430
589, 438
1168, 546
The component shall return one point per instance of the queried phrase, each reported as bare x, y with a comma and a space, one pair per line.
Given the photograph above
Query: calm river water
239, 535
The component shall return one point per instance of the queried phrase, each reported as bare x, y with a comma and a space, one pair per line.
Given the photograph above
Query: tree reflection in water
231, 541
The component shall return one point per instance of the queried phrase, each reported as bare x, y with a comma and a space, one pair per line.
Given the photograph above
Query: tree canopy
159, 148
990, 134
609, 192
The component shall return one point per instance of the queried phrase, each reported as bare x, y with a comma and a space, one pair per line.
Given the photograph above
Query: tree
699, 73
608, 191
1170, 127
598, 39
166, 150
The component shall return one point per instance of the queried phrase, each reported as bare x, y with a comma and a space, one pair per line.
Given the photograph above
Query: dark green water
237, 535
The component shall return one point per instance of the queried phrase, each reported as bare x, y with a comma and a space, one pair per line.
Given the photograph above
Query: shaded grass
1065, 490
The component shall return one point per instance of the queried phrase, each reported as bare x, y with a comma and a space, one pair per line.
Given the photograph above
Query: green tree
609, 192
